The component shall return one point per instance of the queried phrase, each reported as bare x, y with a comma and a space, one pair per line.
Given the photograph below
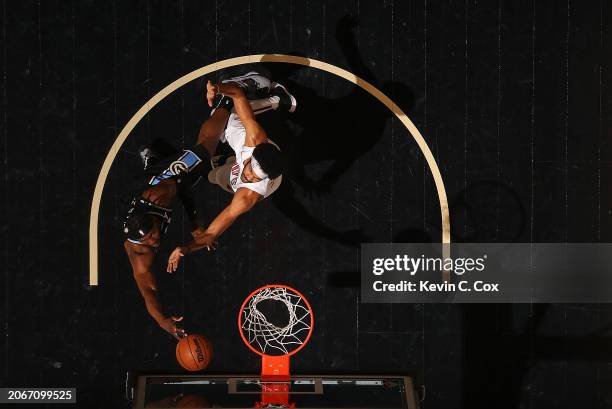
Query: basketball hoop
275, 321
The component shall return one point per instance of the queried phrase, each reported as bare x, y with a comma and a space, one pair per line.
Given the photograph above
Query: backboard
305, 391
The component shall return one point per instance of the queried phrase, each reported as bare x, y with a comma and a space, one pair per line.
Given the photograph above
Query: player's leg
212, 129
253, 84
263, 94
279, 99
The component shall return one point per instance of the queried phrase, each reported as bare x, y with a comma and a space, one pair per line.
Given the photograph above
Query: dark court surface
512, 97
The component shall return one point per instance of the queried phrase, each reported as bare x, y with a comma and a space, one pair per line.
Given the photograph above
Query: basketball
194, 352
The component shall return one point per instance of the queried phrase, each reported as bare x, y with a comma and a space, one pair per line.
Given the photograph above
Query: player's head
143, 228
267, 161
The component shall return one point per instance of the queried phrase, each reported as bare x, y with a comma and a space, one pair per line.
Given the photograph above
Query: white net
269, 338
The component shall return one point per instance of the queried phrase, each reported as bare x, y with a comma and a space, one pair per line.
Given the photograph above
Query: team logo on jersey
184, 164
178, 167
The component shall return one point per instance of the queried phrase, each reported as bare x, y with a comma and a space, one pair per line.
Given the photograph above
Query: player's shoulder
248, 193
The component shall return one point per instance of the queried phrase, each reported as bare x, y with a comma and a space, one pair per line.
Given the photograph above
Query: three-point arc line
249, 59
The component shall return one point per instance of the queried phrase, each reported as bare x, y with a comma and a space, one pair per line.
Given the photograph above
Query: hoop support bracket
276, 367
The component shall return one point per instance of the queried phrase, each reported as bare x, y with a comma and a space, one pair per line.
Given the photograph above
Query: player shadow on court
490, 211
473, 217
326, 130
504, 370
487, 211
352, 279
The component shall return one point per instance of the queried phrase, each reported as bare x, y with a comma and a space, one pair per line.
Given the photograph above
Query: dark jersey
187, 168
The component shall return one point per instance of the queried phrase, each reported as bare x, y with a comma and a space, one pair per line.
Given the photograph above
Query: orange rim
246, 341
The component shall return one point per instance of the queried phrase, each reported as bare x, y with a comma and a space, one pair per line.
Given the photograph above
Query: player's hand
198, 232
211, 91
169, 325
206, 240
175, 259
201, 236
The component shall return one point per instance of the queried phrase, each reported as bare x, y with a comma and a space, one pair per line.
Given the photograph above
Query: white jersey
235, 135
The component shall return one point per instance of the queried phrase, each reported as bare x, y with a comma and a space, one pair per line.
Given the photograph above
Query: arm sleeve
186, 197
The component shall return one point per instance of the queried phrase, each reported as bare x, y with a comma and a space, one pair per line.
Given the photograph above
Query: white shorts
221, 175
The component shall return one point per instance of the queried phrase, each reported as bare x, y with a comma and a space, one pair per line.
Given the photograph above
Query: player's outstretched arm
243, 201
187, 198
147, 285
